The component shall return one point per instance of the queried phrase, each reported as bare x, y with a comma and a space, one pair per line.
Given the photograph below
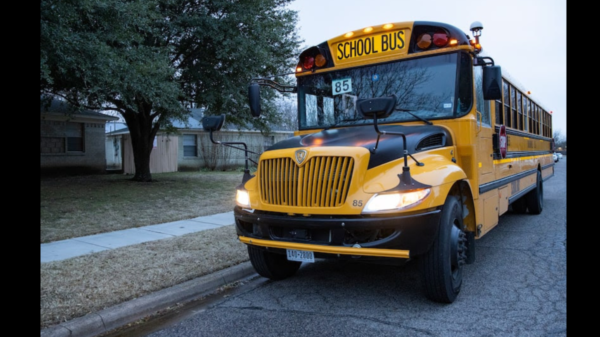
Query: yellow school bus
411, 143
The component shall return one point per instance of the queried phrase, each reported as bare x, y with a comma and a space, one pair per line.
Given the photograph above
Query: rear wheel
272, 265
441, 266
535, 197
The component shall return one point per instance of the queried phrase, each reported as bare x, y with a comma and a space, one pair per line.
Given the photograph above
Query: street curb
122, 314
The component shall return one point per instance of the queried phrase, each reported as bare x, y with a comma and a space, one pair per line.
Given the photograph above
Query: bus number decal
357, 203
341, 86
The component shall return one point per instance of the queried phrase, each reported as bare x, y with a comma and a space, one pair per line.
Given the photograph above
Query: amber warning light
313, 58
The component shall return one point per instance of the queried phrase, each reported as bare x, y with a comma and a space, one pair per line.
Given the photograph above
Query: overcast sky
527, 38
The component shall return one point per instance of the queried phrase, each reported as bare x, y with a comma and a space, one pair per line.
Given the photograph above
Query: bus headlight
394, 201
242, 198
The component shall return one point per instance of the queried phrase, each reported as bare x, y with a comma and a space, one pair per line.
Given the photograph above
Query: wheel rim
458, 251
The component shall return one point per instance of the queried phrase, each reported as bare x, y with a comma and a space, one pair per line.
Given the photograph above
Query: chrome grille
321, 182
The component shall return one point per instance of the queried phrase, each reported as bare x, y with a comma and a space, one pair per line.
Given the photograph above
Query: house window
190, 146
75, 137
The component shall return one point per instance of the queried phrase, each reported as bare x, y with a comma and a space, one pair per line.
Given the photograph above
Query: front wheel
441, 266
272, 265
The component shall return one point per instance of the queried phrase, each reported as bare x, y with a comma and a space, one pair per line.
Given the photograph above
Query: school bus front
383, 166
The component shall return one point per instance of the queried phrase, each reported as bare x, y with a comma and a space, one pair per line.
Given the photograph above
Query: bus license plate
300, 255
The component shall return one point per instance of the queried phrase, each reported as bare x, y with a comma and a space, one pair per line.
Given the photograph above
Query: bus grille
321, 182
431, 142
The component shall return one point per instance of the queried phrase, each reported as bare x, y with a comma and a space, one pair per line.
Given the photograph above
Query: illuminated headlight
394, 201
242, 198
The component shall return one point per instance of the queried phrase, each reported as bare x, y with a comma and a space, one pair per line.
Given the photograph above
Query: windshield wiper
415, 116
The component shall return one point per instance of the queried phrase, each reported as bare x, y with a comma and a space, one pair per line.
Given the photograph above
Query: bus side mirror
492, 82
379, 107
254, 99
213, 123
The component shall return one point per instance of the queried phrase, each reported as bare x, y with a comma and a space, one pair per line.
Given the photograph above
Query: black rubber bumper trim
414, 232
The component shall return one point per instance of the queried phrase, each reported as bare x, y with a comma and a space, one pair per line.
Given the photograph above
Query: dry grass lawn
85, 205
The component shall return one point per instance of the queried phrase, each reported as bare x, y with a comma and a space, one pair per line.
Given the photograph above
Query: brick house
72, 142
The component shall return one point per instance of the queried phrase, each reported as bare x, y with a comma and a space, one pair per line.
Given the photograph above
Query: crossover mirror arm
254, 92
383, 107
215, 123
484, 61
275, 85
405, 151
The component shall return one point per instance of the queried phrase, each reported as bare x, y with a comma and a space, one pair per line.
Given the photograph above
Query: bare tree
288, 110
560, 140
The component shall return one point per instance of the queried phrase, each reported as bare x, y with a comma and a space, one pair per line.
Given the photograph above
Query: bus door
488, 201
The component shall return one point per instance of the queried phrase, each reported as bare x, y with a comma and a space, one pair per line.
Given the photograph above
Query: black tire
272, 265
535, 197
519, 205
441, 266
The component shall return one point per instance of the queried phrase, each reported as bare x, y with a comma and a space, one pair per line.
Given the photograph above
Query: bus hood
418, 138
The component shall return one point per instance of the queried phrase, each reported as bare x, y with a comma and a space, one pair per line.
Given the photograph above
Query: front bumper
394, 236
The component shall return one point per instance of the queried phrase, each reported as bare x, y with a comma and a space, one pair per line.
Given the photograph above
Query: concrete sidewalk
95, 324
65, 249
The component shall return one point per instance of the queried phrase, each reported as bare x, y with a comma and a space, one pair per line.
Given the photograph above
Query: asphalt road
516, 287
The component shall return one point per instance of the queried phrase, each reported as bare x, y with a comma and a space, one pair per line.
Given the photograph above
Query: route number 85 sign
341, 86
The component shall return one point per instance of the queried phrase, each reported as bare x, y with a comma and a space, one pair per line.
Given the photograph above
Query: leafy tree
151, 60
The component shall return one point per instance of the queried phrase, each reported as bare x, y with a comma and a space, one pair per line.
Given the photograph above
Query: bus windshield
434, 87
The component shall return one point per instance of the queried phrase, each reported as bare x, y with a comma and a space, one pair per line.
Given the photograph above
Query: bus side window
499, 112
483, 106
506, 96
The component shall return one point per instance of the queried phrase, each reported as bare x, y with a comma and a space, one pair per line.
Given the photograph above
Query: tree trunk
142, 133
141, 159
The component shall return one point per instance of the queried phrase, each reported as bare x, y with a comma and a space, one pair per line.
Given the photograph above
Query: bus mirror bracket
215, 123
383, 107
254, 92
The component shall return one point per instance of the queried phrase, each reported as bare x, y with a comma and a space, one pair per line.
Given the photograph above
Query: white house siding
114, 153
220, 157
169, 156
163, 157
